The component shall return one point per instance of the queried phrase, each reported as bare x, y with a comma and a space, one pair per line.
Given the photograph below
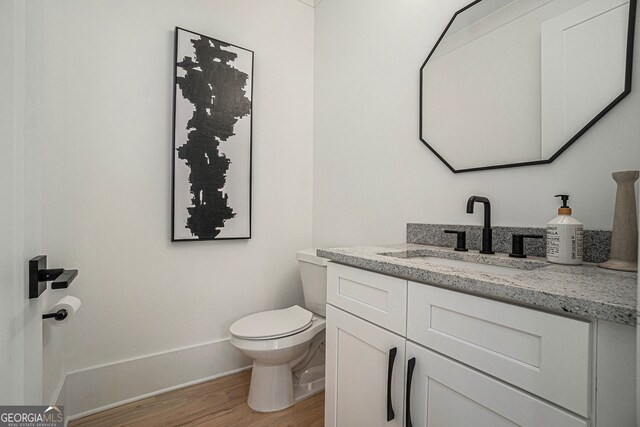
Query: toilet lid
272, 324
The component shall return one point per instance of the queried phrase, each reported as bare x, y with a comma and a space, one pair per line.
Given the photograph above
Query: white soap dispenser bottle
564, 236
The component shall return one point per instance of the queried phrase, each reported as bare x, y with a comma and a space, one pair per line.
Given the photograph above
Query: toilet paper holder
39, 275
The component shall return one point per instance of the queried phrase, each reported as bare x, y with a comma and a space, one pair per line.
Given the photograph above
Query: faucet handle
517, 248
461, 241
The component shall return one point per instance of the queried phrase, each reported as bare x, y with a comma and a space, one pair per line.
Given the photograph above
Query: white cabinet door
442, 392
357, 390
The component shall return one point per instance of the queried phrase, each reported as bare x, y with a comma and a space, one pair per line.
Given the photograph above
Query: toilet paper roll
69, 303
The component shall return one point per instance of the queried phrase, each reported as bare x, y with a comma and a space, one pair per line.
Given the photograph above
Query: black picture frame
213, 79
582, 131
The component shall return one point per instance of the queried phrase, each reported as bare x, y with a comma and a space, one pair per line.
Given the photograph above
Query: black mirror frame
625, 92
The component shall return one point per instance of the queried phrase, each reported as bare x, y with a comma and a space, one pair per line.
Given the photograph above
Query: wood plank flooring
221, 402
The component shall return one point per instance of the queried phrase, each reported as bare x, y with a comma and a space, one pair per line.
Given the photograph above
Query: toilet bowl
287, 346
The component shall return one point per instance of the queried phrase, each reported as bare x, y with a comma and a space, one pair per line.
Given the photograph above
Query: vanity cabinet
464, 360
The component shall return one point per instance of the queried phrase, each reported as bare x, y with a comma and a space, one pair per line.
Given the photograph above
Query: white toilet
287, 346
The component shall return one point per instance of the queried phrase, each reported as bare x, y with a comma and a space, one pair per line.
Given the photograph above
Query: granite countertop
585, 290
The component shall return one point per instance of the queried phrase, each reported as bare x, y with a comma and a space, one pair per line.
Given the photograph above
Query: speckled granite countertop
585, 290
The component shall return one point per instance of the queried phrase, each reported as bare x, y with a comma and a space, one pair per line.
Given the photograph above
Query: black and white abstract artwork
211, 139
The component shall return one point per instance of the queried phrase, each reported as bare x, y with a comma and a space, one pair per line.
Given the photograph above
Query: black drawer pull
392, 358
410, 367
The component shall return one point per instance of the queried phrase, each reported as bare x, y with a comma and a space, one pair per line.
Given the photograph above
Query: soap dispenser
564, 236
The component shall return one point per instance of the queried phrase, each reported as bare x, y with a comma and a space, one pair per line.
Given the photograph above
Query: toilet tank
313, 271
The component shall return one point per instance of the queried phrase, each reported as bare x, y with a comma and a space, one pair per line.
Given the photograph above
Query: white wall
108, 94
372, 174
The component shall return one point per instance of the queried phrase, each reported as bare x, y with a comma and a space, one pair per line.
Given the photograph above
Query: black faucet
487, 239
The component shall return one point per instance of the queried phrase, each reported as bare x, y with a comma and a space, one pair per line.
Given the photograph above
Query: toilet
287, 346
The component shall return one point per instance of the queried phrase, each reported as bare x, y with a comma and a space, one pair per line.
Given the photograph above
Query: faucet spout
487, 208
487, 238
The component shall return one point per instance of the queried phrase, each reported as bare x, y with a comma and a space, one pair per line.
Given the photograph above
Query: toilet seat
272, 324
317, 325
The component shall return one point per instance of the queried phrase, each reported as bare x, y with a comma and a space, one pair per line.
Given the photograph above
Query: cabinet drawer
445, 393
545, 354
375, 297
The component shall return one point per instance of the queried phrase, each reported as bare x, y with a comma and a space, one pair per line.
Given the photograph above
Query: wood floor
221, 402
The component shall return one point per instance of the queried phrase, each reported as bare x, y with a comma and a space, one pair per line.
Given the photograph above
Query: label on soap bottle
565, 243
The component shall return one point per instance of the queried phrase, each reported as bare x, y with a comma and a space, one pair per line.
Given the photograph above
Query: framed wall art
211, 181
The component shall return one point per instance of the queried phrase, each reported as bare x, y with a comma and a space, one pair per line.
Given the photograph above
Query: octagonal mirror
516, 82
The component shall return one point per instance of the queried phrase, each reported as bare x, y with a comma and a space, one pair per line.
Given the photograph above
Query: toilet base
274, 387
271, 387
285, 370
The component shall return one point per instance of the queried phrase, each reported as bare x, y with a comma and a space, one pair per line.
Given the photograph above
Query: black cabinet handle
410, 367
392, 358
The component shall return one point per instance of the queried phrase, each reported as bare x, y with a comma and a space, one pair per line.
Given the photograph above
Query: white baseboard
103, 387
58, 396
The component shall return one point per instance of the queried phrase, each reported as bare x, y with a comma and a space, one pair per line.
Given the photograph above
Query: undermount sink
474, 262
473, 266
